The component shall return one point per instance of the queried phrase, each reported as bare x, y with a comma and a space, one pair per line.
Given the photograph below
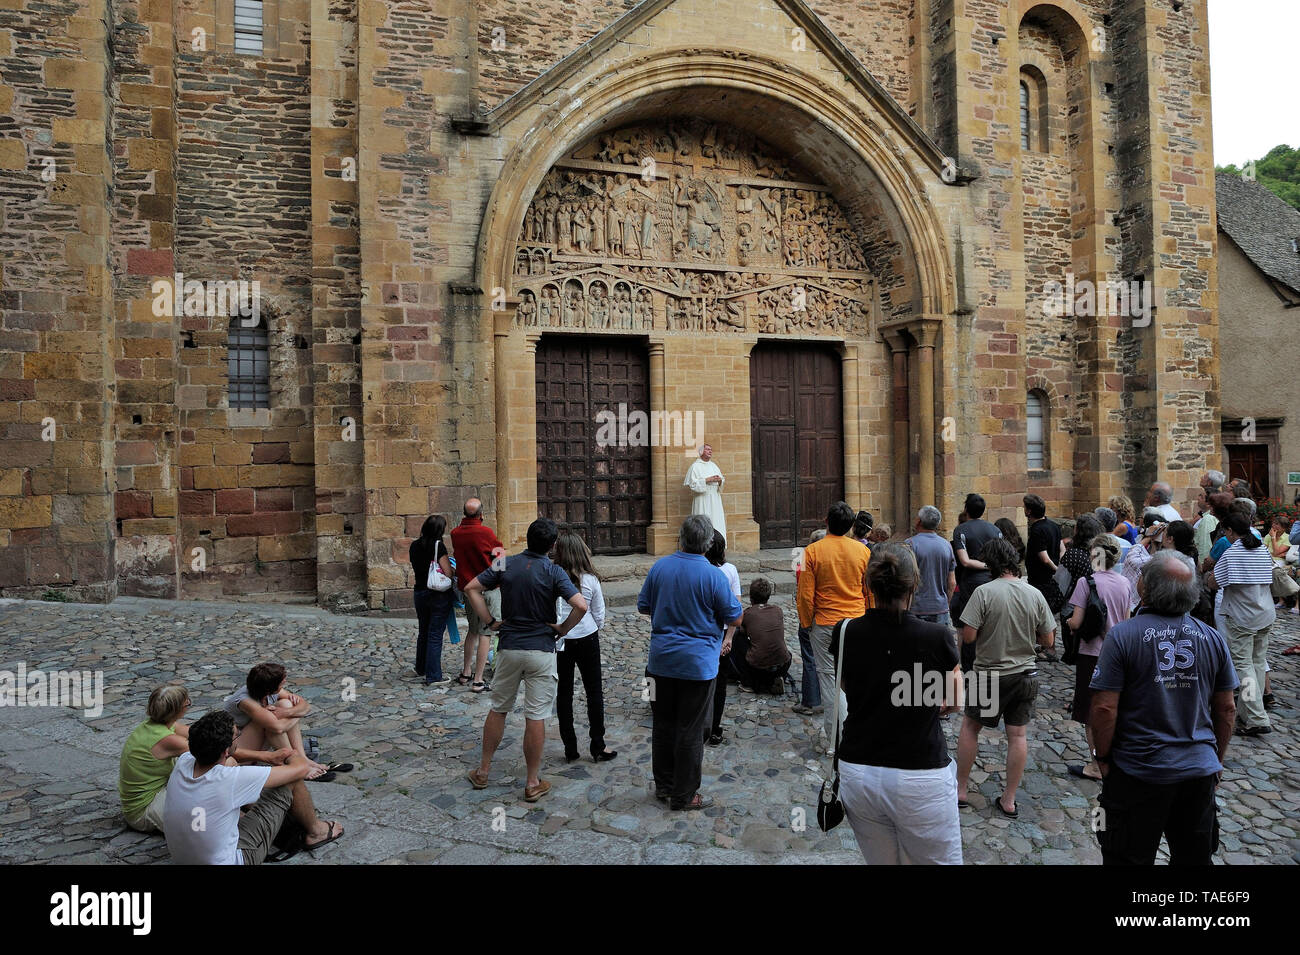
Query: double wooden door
602, 493
796, 417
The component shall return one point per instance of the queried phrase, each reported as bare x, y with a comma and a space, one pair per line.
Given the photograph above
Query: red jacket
473, 542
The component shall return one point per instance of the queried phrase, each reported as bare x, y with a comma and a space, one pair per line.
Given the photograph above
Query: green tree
1279, 172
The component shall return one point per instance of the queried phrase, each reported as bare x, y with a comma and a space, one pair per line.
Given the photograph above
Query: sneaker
1294, 611
443, 682
1254, 730
808, 710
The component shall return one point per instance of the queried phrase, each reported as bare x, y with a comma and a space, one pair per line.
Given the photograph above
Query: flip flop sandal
1010, 814
963, 804
339, 768
326, 777
473, 778
332, 837
464, 679
1076, 769
477, 687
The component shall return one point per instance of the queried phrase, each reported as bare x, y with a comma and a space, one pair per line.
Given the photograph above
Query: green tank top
142, 775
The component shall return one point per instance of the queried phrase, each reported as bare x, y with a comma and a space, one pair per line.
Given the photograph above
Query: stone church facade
818, 236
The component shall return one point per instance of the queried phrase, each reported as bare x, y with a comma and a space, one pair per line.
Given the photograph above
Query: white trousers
903, 816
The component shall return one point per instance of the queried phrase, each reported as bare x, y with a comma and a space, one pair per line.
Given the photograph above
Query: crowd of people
1166, 623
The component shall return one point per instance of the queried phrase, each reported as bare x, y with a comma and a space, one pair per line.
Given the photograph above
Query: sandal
339, 768
475, 780
480, 686
464, 679
1011, 813
331, 837
325, 777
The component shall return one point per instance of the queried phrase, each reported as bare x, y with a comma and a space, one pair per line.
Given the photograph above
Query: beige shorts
536, 670
493, 598
151, 820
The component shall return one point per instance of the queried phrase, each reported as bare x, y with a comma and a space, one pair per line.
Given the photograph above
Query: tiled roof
1262, 225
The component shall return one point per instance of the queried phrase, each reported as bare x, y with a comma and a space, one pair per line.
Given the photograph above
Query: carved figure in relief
546, 307
700, 216
628, 230
647, 230
564, 222
744, 242
598, 232
599, 307
572, 317
530, 223
744, 201
581, 228
614, 229
622, 307
526, 313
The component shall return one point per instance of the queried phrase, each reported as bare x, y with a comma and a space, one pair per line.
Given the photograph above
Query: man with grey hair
1207, 523
690, 605
1160, 498
1161, 719
937, 566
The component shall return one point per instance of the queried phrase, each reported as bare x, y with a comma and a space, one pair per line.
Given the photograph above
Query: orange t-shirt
831, 585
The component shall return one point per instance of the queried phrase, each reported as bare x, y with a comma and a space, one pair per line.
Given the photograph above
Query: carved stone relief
690, 227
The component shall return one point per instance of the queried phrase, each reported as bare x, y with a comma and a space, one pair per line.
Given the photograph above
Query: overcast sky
1254, 77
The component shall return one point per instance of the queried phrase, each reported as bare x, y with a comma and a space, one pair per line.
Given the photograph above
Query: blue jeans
944, 618
432, 607
812, 691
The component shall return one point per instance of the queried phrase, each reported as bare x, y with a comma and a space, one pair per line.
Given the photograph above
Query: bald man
473, 543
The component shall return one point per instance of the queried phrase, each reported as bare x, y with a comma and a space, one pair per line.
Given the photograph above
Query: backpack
1093, 625
1204, 609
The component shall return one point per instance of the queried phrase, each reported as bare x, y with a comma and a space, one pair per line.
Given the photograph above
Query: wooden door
1250, 461
602, 493
796, 416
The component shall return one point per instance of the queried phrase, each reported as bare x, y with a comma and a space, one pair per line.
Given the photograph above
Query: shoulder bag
830, 810
437, 579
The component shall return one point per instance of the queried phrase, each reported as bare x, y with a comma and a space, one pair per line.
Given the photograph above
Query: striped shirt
1246, 577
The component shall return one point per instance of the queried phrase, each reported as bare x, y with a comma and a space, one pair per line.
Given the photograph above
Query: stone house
872, 249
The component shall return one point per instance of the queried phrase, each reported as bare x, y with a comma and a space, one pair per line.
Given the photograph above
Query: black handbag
830, 810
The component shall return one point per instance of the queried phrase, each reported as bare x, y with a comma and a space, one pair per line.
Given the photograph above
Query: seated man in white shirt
202, 818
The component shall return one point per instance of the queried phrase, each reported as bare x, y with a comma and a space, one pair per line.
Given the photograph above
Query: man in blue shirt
1161, 718
529, 584
690, 605
938, 567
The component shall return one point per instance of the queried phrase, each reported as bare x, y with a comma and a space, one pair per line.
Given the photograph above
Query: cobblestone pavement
408, 800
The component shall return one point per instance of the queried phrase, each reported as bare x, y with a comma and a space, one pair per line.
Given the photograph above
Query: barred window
248, 27
1036, 428
248, 366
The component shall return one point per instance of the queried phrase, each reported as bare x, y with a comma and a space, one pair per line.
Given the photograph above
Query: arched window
1036, 430
248, 365
1024, 115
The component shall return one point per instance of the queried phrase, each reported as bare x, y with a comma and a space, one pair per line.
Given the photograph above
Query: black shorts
1014, 701
1083, 668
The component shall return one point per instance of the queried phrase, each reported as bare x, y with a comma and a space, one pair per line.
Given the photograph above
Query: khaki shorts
536, 670
151, 820
493, 598
261, 824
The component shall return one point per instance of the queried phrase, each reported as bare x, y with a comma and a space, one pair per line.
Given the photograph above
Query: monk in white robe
705, 481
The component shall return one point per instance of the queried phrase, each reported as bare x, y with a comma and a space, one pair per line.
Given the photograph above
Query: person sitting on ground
1161, 721
1113, 590
758, 649
270, 717
897, 781
149, 756
201, 818
1277, 541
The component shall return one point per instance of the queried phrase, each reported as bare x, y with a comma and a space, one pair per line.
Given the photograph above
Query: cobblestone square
408, 800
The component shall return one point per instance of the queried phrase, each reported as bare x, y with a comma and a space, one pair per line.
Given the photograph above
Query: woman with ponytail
900, 674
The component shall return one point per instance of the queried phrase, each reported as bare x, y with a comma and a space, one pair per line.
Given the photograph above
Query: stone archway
841, 149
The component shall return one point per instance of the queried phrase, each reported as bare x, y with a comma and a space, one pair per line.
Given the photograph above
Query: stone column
501, 365
926, 333
853, 490
897, 342
660, 540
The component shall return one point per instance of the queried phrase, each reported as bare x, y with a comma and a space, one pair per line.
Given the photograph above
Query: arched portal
700, 205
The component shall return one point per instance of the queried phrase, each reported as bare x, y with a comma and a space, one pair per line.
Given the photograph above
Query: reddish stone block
17, 389
271, 453
135, 452
196, 503
275, 499
244, 525
133, 505
237, 501
149, 262
408, 333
